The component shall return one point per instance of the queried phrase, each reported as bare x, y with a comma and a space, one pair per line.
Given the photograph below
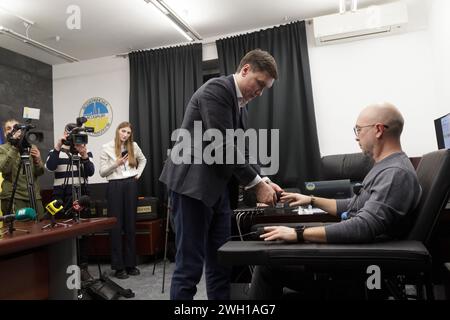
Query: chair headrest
353, 166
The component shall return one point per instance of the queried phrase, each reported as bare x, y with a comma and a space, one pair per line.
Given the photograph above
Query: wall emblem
98, 111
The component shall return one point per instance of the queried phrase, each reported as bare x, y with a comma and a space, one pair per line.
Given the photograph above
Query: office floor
148, 286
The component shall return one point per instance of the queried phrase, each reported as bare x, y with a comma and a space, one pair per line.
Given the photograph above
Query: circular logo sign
99, 115
310, 186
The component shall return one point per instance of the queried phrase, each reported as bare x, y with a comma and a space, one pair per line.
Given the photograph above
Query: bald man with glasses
379, 211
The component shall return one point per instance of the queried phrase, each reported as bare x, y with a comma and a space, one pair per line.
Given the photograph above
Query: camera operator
58, 161
9, 164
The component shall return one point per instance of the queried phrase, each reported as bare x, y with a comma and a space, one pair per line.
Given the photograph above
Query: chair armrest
412, 254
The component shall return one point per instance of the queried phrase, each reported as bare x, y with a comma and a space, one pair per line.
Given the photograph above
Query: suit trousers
199, 231
122, 204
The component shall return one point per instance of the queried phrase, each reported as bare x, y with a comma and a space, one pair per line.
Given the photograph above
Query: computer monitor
442, 127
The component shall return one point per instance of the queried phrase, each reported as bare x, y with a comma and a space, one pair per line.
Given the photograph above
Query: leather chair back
353, 166
433, 173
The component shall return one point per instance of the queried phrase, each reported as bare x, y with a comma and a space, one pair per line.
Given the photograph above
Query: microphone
54, 207
81, 120
82, 203
20, 215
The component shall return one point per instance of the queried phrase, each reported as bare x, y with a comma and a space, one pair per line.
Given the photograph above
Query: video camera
27, 138
77, 134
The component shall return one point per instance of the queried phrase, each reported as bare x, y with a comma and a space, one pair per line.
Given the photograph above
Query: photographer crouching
69, 175
18, 144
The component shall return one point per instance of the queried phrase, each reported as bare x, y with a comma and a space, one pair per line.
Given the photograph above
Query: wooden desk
33, 265
149, 239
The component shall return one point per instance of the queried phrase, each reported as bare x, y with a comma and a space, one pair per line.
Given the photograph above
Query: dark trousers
199, 232
268, 283
122, 204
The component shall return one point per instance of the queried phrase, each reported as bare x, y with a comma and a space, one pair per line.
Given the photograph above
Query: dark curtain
288, 105
161, 83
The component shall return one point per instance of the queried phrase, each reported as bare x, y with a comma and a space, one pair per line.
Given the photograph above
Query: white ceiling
111, 27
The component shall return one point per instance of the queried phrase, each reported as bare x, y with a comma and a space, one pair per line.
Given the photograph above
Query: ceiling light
12, 34
354, 5
178, 23
342, 6
25, 20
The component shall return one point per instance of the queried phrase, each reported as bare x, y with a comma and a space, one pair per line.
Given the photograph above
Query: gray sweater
382, 209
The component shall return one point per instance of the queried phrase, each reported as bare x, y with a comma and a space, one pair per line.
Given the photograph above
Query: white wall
440, 45
346, 77
411, 70
74, 83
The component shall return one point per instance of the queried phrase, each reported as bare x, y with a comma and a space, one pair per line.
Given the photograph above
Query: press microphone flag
21, 215
82, 203
54, 207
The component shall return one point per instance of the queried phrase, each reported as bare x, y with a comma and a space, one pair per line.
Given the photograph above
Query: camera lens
34, 137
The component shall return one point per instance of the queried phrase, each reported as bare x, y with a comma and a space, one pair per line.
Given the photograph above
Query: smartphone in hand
124, 153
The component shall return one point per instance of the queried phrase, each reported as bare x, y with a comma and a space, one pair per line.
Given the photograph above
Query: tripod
25, 165
165, 243
74, 161
54, 224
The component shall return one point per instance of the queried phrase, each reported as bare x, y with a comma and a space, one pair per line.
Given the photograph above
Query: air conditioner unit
364, 23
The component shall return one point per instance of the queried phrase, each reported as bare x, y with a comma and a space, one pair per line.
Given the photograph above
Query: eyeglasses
357, 129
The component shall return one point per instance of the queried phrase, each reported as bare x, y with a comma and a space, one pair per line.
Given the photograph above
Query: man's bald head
385, 113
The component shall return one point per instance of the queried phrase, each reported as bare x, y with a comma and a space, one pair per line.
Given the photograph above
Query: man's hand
59, 143
35, 154
17, 134
265, 193
276, 187
295, 199
279, 233
82, 150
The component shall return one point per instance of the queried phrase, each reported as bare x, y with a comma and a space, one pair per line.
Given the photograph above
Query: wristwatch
312, 201
299, 230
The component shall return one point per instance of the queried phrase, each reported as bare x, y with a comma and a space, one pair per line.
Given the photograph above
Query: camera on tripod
77, 134
27, 138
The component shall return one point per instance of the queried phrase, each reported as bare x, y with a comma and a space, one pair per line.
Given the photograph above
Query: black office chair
401, 262
353, 166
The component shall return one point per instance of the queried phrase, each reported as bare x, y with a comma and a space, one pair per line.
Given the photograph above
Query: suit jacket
215, 105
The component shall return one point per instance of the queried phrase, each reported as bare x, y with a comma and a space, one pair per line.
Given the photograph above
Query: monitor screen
442, 126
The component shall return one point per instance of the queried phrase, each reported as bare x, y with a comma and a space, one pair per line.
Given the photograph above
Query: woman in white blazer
122, 163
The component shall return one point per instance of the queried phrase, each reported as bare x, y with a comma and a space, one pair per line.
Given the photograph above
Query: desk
149, 239
33, 265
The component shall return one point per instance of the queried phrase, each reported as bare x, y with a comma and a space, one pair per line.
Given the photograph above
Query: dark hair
4, 125
260, 60
70, 126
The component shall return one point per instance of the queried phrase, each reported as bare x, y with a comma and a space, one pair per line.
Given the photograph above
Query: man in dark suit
199, 188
